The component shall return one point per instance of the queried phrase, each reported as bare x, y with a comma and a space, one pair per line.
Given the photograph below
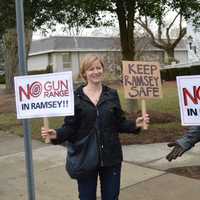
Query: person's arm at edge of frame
191, 137
125, 125
180, 146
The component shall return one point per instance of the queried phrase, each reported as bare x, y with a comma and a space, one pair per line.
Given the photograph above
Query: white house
65, 53
193, 48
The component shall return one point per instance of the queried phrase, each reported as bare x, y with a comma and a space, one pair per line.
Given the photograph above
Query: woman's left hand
140, 121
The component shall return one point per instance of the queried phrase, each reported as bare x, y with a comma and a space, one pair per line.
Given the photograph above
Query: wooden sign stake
46, 126
143, 103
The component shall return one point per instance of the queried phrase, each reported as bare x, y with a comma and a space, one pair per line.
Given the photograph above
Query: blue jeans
109, 181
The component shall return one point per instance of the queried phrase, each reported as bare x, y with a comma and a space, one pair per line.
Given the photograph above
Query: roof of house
67, 43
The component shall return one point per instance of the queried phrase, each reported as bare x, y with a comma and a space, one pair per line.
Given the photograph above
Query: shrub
170, 74
2, 79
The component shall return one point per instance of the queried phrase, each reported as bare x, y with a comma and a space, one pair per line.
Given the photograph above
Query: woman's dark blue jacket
110, 119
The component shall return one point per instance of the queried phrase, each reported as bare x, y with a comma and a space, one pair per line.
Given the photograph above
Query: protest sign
46, 95
189, 99
141, 80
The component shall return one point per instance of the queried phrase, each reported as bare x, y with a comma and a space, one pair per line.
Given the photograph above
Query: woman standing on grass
97, 113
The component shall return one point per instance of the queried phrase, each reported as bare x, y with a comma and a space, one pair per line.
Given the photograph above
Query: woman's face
94, 74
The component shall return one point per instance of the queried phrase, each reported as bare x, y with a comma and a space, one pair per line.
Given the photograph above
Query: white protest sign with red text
189, 99
45, 95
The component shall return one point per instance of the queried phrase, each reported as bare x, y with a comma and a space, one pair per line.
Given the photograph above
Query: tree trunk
11, 58
169, 56
11, 55
126, 27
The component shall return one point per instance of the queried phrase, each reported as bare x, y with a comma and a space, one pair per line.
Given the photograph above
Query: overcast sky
102, 31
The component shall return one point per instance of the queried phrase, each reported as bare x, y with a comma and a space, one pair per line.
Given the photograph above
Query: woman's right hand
48, 134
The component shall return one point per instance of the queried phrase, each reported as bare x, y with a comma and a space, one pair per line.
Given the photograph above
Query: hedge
166, 74
2, 79
170, 74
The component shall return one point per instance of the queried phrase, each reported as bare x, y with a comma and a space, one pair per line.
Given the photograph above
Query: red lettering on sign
193, 97
22, 91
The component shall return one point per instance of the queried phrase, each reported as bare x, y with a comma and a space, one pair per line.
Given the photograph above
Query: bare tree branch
182, 32
180, 23
181, 35
160, 31
145, 26
171, 24
169, 27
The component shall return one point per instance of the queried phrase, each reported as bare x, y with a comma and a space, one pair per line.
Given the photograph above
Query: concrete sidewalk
143, 175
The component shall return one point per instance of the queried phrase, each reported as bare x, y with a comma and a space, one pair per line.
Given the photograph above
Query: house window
67, 60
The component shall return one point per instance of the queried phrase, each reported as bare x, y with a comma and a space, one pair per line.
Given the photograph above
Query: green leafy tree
36, 14
130, 12
95, 15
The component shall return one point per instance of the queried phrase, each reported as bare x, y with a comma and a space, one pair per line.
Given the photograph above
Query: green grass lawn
9, 123
168, 104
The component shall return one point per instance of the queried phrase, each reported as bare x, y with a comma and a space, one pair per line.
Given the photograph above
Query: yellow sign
141, 80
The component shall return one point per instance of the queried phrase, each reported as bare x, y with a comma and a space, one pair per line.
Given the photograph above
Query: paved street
143, 175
